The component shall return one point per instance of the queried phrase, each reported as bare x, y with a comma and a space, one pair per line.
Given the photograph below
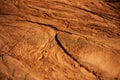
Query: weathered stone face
59, 40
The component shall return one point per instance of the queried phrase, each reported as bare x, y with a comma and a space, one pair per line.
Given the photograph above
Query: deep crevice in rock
74, 59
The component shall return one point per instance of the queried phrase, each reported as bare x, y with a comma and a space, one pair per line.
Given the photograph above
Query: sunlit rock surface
59, 40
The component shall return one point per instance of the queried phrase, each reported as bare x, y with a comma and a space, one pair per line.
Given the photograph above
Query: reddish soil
59, 40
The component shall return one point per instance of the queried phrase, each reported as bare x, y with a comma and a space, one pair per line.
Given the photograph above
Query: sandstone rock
59, 40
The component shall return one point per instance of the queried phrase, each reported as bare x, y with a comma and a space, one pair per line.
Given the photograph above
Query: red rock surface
59, 40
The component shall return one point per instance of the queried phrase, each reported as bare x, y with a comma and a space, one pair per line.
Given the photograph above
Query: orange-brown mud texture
59, 40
